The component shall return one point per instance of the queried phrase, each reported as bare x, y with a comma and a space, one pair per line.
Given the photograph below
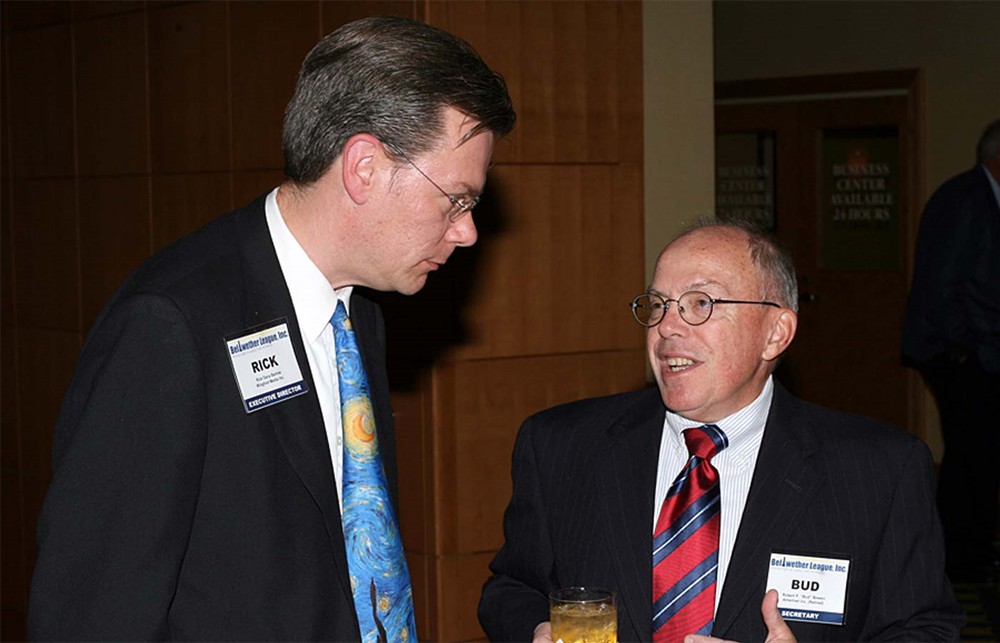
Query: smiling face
410, 235
710, 371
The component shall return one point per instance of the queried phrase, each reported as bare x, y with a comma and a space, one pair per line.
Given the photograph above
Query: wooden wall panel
111, 96
337, 12
247, 186
46, 254
45, 360
10, 437
269, 41
13, 574
189, 83
182, 203
564, 65
558, 276
41, 102
99, 8
413, 418
28, 15
459, 581
115, 237
478, 414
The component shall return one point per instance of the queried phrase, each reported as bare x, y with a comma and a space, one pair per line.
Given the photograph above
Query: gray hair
390, 77
769, 256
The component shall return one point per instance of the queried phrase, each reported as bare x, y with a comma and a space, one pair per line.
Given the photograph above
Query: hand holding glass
583, 615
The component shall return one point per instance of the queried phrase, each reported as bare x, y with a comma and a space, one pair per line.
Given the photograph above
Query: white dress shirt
314, 301
735, 465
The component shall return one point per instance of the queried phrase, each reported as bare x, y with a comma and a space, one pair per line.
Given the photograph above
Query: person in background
224, 459
693, 499
951, 334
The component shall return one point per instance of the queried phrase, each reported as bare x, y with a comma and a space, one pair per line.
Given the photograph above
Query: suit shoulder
599, 411
199, 263
843, 428
967, 187
201, 251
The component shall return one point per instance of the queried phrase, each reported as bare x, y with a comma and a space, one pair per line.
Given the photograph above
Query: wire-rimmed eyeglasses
461, 204
695, 307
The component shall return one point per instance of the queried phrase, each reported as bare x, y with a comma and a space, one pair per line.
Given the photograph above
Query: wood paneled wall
124, 125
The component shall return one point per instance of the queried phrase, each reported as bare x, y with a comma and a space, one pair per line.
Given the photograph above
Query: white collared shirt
314, 300
735, 464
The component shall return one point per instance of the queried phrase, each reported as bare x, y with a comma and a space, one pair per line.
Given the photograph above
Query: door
831, 165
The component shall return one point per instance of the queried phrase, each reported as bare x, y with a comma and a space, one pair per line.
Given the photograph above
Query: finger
777, 630
543, 633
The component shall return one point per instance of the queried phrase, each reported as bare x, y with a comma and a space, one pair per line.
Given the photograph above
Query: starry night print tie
380, 580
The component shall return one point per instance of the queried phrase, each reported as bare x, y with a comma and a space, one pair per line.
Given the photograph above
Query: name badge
264, 364
811, 589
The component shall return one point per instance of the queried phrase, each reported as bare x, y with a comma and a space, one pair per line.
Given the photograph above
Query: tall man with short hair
951, 334
224, 461
693, 499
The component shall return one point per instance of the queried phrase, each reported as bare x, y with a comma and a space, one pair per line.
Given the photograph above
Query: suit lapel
782, 485
298, 422
629, 481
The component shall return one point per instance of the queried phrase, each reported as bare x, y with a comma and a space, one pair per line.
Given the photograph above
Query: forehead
706, 256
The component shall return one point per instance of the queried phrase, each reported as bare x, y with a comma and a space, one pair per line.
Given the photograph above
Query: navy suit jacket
825, 483
953, 309
172, 513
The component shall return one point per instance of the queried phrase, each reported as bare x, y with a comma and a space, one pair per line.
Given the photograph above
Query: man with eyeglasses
717, 505
224, 462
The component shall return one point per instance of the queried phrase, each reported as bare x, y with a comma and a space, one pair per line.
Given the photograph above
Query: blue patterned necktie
686, 543
380, 580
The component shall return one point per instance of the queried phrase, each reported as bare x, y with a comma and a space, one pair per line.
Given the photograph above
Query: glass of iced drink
583, 615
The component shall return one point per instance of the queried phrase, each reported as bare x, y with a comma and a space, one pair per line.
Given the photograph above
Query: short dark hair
391, 77
769, 256
989, 143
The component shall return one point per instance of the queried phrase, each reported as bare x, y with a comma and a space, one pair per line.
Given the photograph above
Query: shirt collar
313, 298
993, 184
743, 428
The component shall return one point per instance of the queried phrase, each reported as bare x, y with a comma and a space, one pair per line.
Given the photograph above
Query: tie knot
705, 441
339, 314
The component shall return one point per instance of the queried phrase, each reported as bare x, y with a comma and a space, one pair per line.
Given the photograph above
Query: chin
412, 286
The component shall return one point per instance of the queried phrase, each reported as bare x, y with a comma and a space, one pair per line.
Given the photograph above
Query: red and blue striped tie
686, 543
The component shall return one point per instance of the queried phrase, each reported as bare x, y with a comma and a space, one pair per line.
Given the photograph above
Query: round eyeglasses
695, 307
461, 204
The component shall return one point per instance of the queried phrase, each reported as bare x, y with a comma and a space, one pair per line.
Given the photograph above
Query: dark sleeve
127, 463
911, 597
514, 599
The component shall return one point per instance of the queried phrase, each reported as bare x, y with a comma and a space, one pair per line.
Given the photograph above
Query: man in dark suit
833, 513
952, 336
197, 490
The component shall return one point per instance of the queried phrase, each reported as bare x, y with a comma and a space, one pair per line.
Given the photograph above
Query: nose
671, 324
463, 232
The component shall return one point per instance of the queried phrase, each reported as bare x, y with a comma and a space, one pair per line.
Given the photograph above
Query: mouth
678, 364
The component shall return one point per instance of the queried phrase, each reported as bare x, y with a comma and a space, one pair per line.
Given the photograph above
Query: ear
359, 162
782, 333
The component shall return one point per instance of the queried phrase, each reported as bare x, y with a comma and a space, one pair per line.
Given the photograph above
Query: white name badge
810, 589
265, 367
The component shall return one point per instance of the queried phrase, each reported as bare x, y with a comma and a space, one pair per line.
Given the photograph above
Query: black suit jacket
953, 310
825, 483
172, 513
